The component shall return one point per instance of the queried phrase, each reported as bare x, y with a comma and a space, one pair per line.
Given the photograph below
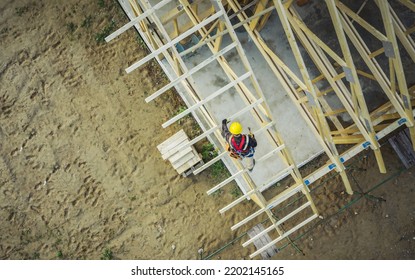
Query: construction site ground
81, 177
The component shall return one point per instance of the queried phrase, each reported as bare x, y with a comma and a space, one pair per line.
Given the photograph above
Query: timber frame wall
337, 72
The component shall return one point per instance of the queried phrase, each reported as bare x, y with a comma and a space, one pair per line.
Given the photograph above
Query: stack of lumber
181, 157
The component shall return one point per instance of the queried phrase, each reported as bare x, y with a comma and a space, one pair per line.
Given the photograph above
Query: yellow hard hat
235, 128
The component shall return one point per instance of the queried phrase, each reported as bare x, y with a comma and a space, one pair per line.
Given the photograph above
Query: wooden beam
409, 4
174, 13
136, 20
377, 52
355, 130
173, 42
219, 34
218, 41
376, 33
190, 72
318, 41
262, 4
186, 26
286, 234
207, 99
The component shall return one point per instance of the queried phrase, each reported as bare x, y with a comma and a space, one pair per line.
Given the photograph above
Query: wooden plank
171, 151
218, 41
207, 99
348, 139
318, 41
377, 52
173, 42
366, 75
410, 30
262, 241
183, 160
179, 154
188, 25
219, 34
195, 160
162, 147
171, 142
225, 182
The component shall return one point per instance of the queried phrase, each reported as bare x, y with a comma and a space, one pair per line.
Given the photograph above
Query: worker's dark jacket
241, 144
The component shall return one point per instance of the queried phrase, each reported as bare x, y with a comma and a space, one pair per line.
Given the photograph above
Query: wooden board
181, 160
180, 154
187, 157
194, 161
166, 145
262, 241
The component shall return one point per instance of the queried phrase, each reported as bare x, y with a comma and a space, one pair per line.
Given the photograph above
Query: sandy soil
81, 177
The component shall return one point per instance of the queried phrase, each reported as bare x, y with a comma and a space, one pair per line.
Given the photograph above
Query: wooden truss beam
313, 99
400, 103
360, 106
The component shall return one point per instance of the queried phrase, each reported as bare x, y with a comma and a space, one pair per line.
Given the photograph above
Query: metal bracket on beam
388, 47
368, 127
406, 102
310, 98
348, 74
215, 4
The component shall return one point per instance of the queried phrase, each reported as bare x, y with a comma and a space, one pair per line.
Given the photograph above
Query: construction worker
240, 146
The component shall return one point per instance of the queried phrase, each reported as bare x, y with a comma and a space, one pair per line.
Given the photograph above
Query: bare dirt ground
81, 177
